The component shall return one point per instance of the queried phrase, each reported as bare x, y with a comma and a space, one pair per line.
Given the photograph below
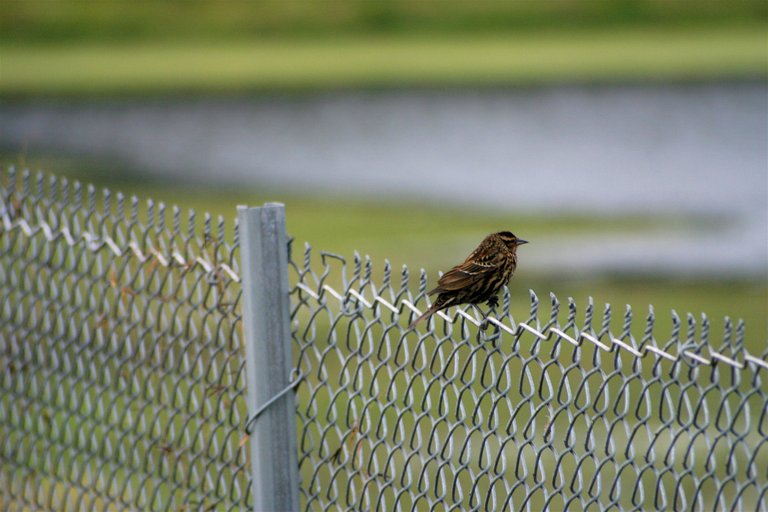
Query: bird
480, 277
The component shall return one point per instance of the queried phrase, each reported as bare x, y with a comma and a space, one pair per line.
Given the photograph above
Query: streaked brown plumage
480, 277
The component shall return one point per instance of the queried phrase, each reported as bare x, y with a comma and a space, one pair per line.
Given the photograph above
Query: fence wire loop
258, 412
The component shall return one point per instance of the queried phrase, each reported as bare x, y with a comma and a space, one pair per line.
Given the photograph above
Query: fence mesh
550, 413
122, 382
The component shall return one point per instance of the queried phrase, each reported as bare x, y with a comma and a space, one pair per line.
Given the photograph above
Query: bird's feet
493, 302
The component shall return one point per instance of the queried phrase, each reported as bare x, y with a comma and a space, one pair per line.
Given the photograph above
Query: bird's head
510, 240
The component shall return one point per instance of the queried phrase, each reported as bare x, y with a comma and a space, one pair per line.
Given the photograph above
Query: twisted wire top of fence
146, 230
689, 345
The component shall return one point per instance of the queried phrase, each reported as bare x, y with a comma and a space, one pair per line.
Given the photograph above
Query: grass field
371, 61
42, 21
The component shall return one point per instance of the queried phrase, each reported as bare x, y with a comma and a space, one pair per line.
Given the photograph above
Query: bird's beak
520, 241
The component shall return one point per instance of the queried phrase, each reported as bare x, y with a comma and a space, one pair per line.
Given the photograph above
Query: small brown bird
480, 277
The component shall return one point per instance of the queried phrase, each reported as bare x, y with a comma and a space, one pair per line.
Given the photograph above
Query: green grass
159, 67
43, 21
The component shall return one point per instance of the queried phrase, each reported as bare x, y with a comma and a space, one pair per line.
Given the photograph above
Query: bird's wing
468, 273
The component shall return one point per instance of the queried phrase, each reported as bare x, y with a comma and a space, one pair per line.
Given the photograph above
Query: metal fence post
267, 336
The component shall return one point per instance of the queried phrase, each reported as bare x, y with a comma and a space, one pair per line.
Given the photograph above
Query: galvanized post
267, 335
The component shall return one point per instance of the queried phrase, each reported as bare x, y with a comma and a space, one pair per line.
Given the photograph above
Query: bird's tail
428, 313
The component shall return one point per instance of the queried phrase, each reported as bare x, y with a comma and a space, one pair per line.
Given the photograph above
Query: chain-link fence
138, 348
556, 412
122, 379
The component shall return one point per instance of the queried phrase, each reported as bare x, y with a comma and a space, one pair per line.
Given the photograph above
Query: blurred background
626, 139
